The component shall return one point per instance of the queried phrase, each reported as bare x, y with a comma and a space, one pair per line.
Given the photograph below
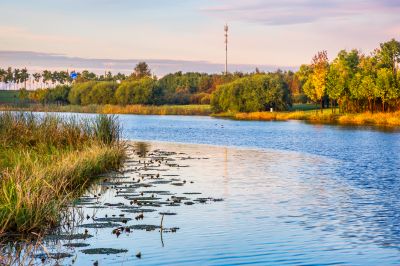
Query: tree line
140, 87
352, 81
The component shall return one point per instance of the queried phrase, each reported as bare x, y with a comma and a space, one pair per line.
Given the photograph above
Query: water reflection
279, 208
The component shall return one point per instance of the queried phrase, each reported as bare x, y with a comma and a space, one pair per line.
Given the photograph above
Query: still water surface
294, 194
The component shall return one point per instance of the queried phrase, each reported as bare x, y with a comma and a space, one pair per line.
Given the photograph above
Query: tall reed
45, 160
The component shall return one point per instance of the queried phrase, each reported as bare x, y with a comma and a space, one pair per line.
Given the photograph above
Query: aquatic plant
46, 161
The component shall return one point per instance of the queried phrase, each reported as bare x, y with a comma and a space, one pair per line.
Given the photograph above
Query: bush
254, 93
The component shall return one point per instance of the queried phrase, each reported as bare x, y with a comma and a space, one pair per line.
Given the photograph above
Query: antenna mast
226, 48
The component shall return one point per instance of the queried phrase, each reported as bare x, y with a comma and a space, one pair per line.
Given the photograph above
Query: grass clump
45, 161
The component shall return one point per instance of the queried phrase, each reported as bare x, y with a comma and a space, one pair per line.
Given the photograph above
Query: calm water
294, 194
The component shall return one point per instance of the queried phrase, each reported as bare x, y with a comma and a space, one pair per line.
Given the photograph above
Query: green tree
369, 90
143, 91
24, 76
386, 86
46, 77
389, 55
80, 93
103, 92
141, 70
257, 92
37, 77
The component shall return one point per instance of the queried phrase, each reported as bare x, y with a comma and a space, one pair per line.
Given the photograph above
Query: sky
188, 34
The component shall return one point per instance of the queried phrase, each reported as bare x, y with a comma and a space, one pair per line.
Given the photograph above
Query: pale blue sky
275, 32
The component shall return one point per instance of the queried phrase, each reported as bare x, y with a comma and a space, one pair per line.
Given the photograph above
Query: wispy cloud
24, 34
288, 12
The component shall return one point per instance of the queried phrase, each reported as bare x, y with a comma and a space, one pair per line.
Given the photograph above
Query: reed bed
157, 110
203, 110
45, 161
379, 119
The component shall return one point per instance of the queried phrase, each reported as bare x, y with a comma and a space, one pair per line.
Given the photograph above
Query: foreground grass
379, 119
117, 109
46, 162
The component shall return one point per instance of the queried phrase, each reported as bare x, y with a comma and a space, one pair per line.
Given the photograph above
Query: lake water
293, 194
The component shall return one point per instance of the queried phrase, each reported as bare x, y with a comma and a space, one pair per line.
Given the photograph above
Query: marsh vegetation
46, 161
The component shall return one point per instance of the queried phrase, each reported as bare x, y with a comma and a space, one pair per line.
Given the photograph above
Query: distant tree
24, 76
389, 55
80, 93
369, 90
16, 76
119, 76
341, 73
252, 93
103, 93
86, 76
320, 66
144, 91
9, 76
386, 86
58, 95
141, 70
3, 74
37, 77
46, 77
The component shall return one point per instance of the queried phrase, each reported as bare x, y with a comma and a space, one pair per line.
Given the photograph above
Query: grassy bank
378, 119
46, 161
117, 109
8, 97
304, 112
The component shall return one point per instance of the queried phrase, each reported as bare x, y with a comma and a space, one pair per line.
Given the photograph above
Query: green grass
47, 161
8, 97
304, 107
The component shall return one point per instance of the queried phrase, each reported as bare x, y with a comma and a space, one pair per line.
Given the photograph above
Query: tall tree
141, 70
389, 55
24, 76
316, 77
386, 85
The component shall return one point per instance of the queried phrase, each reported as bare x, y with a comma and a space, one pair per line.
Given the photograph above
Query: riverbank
314, 116
48, 161
203, 110
327, 117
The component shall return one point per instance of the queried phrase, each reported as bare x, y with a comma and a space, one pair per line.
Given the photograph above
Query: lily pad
142, 198
161, 182
55, 256
177, 184
167, 213
146, 227
103, 251
100, 225
137, 210
68, 237
112, 219
76, 245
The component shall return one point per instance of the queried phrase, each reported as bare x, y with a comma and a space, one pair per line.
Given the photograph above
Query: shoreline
379, 119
